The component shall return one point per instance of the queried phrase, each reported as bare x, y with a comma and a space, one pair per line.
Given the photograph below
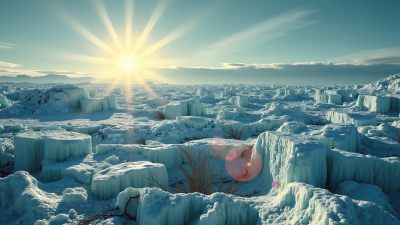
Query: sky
195, 41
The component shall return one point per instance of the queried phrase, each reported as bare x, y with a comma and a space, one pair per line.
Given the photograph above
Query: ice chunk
328, 98
109, 182
357, 118
174, 109
343, 166
6, 152
60, 146
289, 158
379, 104
28, 151
98, 104
4, 102
240, 100
32, 147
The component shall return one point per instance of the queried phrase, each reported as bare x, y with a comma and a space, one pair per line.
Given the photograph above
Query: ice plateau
200, 154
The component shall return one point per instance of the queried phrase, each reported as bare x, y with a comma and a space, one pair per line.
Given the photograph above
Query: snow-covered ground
282, 154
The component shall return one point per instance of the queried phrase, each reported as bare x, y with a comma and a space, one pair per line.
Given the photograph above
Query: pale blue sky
34, 35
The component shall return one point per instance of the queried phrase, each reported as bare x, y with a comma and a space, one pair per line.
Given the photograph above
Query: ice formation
299, 154
92, 105
109, 182
288, 158
357, 118
379, 104
185, 108
32, 147
240, 100
343, 166
4, 102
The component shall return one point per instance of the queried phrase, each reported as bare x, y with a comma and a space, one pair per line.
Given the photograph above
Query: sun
128, 63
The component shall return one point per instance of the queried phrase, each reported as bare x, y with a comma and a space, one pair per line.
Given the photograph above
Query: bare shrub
200, 178
235, 133
160, 115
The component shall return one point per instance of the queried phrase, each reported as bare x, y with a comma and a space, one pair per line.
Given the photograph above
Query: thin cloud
12, 69
371, 57
262, 32
6, 45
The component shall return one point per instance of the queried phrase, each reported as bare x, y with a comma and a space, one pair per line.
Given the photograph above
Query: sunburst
128, 59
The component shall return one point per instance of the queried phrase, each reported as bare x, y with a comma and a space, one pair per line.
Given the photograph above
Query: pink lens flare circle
276, 185
243, 165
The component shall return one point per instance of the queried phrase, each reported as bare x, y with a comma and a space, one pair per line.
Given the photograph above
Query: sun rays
126, 58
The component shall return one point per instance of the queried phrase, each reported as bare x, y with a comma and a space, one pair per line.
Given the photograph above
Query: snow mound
340, 136
22, 202
365, 192
154, 206
98, 104
288, 158
4, 102
389, 84
356, 118
292, 127
74, 195
303, 204
168, 155
109, 182
32, 147
193, 121
343, 166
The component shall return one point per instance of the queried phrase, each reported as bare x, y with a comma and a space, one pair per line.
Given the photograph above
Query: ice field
88, 154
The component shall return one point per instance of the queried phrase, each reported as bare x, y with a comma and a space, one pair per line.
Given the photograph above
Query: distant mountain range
50, 78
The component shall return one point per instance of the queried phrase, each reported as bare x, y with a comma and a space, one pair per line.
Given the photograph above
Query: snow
356, 118
22, 202
365, 192
109, 182
74, 195
304, 154
288, 158
339, 136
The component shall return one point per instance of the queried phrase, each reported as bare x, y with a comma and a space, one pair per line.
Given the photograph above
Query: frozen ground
282, 154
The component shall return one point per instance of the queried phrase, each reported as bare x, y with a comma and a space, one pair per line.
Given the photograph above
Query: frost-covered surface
300, 155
